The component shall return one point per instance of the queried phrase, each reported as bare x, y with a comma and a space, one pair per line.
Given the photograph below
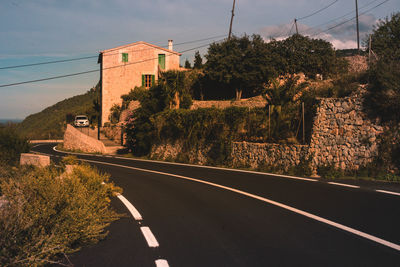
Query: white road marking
162, 263
298, 211
224, 169
150, 238
199, 166
346, 185
135, 213
388, 192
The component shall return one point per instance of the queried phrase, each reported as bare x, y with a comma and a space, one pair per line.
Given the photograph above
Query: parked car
81, 121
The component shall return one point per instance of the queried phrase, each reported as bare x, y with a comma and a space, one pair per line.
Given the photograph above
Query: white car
81, 121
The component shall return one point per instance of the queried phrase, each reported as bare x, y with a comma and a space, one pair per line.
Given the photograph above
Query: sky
33, 31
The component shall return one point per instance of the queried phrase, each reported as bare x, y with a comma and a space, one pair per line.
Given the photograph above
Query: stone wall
257, 154
34, 159
76, 140
249, 102
357, 63
243, 154
343, 136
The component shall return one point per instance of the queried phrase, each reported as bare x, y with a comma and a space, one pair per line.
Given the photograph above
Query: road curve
214, 217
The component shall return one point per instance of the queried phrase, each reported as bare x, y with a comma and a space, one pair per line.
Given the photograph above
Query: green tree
302, 54
240, 64
383, 97
12, 145
385, 39
187, 64
198, 61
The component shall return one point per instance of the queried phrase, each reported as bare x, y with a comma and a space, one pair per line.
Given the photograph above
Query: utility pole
233, 14
295, 22
358, 33
304, 126
369, 50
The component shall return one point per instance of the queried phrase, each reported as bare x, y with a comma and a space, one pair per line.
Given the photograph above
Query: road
200, 216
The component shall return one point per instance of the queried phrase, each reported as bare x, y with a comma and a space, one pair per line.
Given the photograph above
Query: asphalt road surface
182, 215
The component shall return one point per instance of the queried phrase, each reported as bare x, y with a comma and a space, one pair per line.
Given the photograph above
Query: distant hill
51, 122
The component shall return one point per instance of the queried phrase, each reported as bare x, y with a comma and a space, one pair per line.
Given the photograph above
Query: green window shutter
153, 80
161, 61
143, 80
124, 57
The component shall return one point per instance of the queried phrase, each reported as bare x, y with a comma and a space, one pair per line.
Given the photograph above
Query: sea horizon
3, 121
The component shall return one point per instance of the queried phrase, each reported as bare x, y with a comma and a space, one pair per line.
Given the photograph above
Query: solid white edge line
388, 192
150, 238
135, 213
272, 202
162, 263
346, 185
229, 169
197, 166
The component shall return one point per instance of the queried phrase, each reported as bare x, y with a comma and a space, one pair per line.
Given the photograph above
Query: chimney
170, 44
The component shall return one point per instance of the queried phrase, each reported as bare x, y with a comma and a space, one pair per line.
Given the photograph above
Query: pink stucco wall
120, 77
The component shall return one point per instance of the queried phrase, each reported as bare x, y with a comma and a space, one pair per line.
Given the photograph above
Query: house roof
141, 42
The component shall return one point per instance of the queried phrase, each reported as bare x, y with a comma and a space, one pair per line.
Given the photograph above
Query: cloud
341, 37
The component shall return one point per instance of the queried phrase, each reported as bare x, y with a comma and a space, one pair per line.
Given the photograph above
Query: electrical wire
337, 25
345, 15
96, 70
96, 56
319, 10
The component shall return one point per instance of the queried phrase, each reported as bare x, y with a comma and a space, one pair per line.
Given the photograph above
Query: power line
319, 10
47, 62
96, 70
345, 15
96, 56
337, 25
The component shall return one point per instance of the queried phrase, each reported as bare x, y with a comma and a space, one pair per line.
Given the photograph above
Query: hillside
50, 123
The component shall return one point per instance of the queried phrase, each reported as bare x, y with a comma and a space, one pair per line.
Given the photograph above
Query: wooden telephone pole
230, 26
358, 33
295, 22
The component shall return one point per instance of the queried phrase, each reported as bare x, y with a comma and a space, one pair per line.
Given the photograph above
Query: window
161, 61
148, 80
124, 57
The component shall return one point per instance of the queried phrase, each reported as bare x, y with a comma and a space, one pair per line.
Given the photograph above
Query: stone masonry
76, 140
343, 136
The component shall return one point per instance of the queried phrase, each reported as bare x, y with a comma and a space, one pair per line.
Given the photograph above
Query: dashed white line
150, 238
135, 213
345, 185
272, 202
388, 192
162, 263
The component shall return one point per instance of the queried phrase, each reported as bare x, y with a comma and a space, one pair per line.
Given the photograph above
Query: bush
329, 172
47, 216
12, 145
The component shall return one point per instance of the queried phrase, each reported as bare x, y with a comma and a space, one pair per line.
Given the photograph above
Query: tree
187, 64
383, 97
240, 64
198, 61
302, 54
385, 39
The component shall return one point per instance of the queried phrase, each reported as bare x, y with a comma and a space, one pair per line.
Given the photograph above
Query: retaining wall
76, 140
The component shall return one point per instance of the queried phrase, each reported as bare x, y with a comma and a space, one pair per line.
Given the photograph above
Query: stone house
127, 66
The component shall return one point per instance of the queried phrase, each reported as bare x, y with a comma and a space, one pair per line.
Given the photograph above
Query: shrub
48, 216
12, 145
329, 172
